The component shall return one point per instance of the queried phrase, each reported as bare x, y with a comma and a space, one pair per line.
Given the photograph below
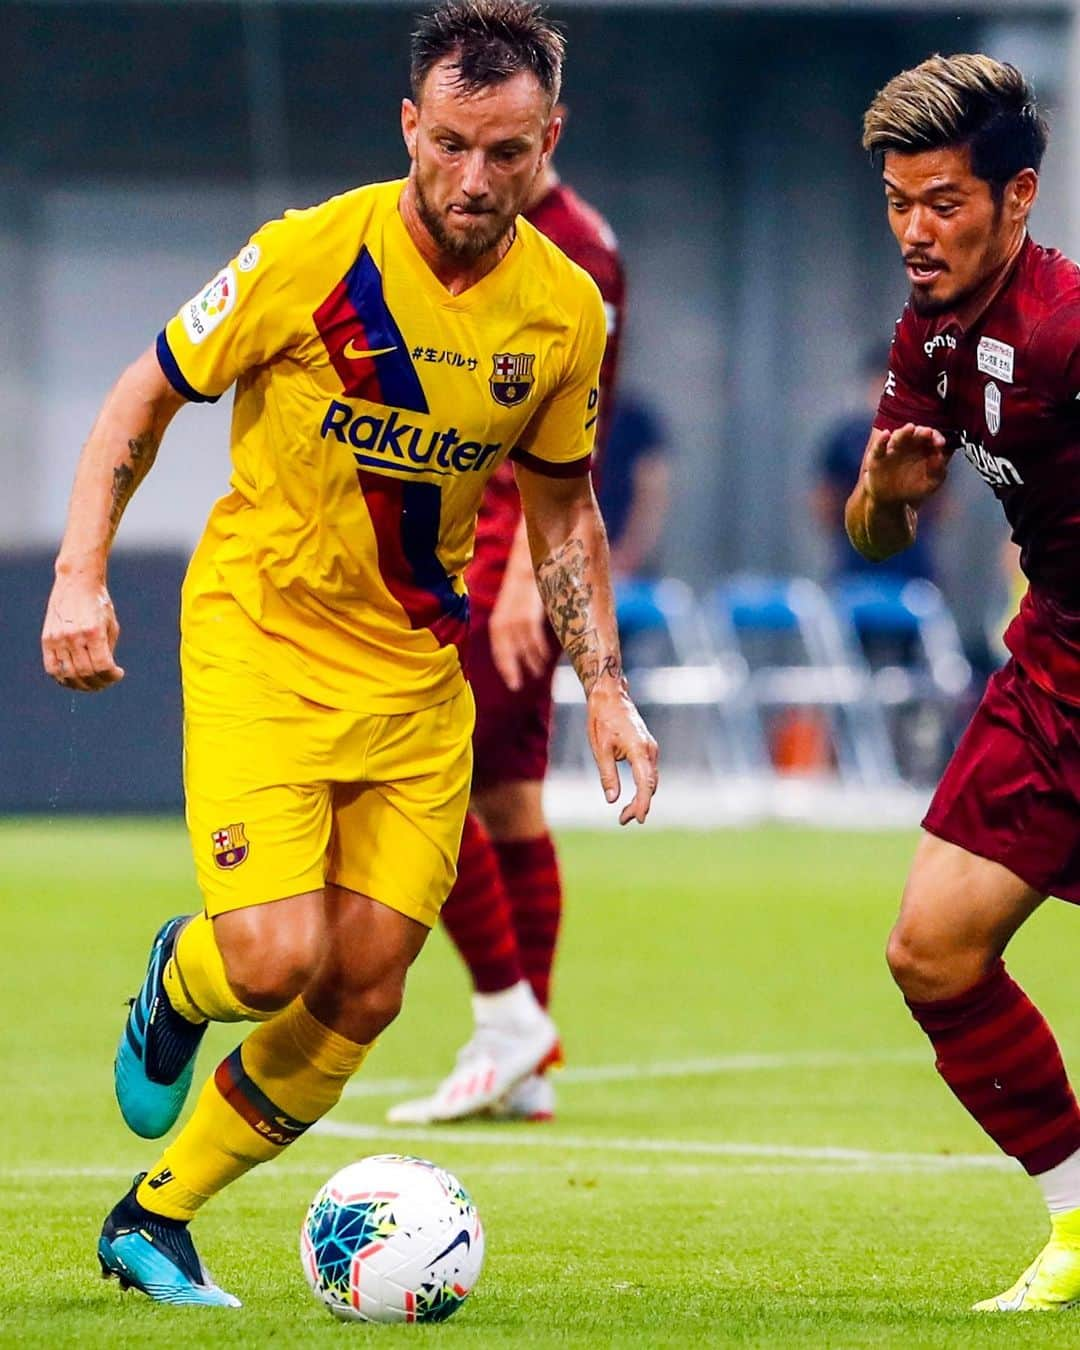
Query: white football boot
531, 1099
514, 1037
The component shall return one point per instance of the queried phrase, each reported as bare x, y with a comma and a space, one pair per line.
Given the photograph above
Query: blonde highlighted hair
965, 100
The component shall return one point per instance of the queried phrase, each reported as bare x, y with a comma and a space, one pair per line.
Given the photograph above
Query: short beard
928, 308
466, 247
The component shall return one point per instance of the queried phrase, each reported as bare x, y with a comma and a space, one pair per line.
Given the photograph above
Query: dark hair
964, 100
490, 41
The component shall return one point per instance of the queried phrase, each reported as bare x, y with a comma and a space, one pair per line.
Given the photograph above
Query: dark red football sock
530, 873
478, 917
999, 1057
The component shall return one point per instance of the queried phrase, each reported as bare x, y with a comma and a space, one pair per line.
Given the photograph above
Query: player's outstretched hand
617, 732
79, 636
518, 630
905, 466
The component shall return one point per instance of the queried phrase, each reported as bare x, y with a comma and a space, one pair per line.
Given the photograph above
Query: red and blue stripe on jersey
405, 517
355, 317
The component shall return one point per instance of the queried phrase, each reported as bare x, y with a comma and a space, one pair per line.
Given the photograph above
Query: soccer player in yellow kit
389, 349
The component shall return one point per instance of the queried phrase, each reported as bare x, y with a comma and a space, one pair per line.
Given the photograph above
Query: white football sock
511, 1006
1061, 1185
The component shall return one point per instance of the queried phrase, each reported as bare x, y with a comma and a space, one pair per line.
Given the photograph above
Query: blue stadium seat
907, 633
795, 647
692, 692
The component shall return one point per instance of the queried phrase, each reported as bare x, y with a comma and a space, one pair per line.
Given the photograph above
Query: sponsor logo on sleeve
249, 258
202, 314
995, 358
592, 406
993, 408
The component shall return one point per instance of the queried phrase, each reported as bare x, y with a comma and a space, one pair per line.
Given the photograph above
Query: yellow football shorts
285, 795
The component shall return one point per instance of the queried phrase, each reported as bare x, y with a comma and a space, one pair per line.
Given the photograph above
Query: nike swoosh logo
462, 1237
1015, 1303
354, 353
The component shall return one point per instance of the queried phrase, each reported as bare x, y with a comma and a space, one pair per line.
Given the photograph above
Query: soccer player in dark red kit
504, 911
986, 361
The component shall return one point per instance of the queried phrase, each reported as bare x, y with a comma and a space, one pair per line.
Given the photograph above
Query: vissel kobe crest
993, 408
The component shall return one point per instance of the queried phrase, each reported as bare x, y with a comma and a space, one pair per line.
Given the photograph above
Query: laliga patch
995, 358
230, 846
993, 408
202, 314
249, 258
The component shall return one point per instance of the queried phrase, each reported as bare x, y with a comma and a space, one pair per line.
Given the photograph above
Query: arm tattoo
128, 475
567, 597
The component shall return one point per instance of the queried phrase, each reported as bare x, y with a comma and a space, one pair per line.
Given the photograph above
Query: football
392, 1239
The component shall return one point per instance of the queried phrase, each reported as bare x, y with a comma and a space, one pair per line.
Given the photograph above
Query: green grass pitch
752, 1147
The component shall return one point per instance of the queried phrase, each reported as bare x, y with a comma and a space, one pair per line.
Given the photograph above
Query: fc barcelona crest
511, 377
230, 846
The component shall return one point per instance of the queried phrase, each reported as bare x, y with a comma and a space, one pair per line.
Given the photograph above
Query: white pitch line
598, 1167
550, 1139
709, 1067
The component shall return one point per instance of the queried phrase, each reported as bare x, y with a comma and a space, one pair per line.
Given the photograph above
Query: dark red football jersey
586, 238
1005, 392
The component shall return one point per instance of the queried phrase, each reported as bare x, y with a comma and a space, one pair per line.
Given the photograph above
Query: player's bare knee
267, 985
271, 971
903, 957
926, 971
380, 1003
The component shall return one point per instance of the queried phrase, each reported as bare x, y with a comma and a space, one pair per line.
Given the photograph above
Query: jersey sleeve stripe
175, 375
575, 468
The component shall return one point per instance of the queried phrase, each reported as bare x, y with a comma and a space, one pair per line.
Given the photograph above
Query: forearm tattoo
567, 597
129, 474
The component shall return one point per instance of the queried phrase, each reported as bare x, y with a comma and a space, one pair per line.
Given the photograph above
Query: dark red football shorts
513, 729
1011, 791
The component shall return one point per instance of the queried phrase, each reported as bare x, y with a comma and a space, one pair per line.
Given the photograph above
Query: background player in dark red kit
986, 360
504, 911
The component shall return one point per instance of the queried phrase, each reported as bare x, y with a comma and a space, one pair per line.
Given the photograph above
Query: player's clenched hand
617, 732
79, 636
905, 466
518, 630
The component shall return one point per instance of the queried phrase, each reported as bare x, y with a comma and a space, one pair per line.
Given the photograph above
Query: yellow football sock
285, 1076
195, 979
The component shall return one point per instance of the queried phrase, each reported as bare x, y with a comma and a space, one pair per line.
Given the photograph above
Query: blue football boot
156, 1256
156, 1055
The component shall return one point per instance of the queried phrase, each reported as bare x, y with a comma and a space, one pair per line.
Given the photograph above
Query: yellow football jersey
371, 406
